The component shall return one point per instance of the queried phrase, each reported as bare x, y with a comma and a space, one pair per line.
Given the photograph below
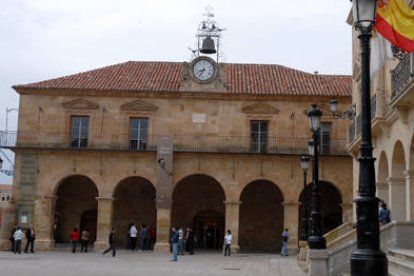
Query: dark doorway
208, 227
89, 221
76, 202
198, 203
134, 203
261, 217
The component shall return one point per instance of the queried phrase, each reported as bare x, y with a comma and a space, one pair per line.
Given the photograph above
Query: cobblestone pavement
129, 263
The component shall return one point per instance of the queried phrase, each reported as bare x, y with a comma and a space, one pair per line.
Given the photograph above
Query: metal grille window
258, 134
138, 129
325, 138
80, 130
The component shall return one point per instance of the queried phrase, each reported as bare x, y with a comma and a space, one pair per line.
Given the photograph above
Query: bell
208, 46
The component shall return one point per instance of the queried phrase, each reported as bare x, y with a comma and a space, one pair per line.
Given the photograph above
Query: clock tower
204, 72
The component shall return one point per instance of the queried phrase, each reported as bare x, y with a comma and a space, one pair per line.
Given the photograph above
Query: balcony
182, 143
402, 77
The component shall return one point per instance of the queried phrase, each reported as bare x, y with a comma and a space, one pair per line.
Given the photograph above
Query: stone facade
196, 168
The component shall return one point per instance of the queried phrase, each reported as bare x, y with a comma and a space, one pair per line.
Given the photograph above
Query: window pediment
80, 104
260, 108
138, 105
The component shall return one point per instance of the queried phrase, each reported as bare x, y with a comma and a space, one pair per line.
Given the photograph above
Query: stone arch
134, 202
76, 206
398, 160
198, 202
261, 216
396, 183
330, 204
382, 177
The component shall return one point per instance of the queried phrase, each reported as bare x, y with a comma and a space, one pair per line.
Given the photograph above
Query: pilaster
232, 222
44, 222
291, 218
409, 194
104, 224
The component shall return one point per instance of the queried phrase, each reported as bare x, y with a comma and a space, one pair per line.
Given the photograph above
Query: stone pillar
397, 201
291, 220
318, 262
409, 194
44, 221
164, 185
104, 224
7, 221
383, 191
163, 229
232, 222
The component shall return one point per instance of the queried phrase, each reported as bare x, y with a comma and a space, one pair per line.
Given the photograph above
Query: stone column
397, 201
291, 220
44, 221
163, 225
105, 206
164, 185
232, 222
409, 194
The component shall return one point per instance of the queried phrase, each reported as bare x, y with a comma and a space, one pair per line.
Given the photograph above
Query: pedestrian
129, 241
30, 236
18, 236
11, 238
384, 215
133, 233
285, 238
174, 243
180, 241
190, 240
227, 243
112, 245
84, 240
74, 238
152, 235
143, 237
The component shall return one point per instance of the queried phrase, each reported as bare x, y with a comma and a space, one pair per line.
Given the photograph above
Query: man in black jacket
111, 243
30, 236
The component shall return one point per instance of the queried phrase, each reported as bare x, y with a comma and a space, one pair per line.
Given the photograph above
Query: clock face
204, 70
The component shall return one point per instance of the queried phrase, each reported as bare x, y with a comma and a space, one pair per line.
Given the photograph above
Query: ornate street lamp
304, 164
315, 240
367, 259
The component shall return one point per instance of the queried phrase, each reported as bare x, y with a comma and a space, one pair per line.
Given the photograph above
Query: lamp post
304, 164
315, 240
8, 110
367, 259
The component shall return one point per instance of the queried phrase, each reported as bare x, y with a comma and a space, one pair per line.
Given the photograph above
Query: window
258, 134
80, 129
325, 138
138, 129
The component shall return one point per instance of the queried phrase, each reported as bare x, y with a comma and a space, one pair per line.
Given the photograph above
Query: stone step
405, 254
400, 267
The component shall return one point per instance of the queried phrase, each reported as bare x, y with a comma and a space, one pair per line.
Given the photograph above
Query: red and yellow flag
395, 21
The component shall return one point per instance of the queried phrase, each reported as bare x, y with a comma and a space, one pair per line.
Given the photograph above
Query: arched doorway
397, 186
198, 203
261, 217
330, 205
382, 183
134, 203
76, 206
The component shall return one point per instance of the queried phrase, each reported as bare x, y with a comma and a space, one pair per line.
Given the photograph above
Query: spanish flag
395, 21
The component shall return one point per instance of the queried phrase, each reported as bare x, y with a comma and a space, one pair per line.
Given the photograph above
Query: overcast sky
43, 39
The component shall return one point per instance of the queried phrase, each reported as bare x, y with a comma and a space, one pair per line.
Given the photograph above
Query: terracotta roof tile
264, 79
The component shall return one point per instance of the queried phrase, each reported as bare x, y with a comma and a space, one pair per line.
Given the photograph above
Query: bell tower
204, 72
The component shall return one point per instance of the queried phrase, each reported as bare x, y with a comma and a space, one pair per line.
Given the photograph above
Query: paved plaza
64, 263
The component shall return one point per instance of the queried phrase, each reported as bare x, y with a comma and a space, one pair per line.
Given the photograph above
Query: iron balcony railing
182, 143
355, 127
402, 76
351, 133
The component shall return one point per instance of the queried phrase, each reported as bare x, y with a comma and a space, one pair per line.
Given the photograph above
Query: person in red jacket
74, 238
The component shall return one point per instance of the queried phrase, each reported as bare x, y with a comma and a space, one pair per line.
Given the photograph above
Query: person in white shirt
227, 243
133, 233
18, 236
